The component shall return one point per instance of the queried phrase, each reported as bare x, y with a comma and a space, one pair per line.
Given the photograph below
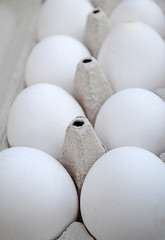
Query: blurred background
17, 36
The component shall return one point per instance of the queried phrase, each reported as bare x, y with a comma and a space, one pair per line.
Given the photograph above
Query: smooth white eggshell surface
57, 17
132, 117
146, 11
123, 196
133, 55
39, 117
54, 61
38, 197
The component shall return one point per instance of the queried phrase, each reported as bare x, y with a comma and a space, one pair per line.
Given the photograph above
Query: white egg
39, 117
133, 55
54, 61
123, 196
132, 117
38, 197
63, 17
146, 11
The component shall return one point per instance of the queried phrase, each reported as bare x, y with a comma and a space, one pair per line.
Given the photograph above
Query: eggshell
39, 117
146, 11
133, 55
132, 117
38, 197
54, 61
123, 196
57, 17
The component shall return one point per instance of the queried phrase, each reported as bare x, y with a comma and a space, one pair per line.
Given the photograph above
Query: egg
58, 17
146, 11
38, 197
133, 56
123, 196
39, 117
132, 117
54, 61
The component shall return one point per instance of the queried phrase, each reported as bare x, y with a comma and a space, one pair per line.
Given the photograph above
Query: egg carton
18, 36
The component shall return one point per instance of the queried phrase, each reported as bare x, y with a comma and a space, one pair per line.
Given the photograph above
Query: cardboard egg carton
18, 21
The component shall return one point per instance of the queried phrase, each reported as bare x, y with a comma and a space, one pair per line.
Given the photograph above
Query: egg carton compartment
18, 22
